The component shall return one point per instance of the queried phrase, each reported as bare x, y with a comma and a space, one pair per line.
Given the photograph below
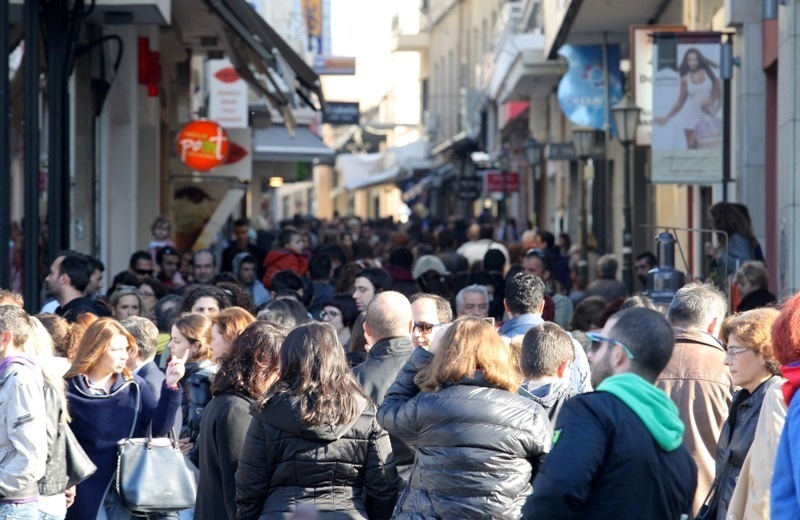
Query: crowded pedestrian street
405, 259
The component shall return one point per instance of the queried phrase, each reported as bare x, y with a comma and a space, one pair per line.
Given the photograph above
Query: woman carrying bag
108, 404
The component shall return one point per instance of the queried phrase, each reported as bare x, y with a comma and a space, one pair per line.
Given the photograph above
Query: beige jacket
750, 499
699, 383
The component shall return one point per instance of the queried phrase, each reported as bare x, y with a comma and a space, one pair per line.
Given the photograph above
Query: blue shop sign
582, 90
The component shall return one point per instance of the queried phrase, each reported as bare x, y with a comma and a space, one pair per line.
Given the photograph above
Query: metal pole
584, 224
627, 246
504, 209
5, 148
58, 119
726, 71
32, 152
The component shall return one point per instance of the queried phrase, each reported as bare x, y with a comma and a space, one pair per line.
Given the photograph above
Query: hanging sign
203, 145
582, 90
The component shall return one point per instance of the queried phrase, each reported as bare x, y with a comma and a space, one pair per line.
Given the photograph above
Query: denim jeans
112, 508
29, 511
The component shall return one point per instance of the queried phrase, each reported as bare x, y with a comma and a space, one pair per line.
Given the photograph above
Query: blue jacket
579, 380
785, 489
99, 422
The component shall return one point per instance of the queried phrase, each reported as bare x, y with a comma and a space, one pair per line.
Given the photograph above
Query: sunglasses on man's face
597, 340
425, 327
144, 272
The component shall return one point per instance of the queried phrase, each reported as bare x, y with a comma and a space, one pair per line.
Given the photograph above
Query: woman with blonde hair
126, 302
107, 404
314, 439
226, 327
751, 361
478, 444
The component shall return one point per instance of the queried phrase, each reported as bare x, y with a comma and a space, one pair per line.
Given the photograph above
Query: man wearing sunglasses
618, 452
141, 265
430, 313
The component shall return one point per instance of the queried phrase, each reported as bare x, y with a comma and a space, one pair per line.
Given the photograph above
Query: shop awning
376, 179
276, 144
255, 47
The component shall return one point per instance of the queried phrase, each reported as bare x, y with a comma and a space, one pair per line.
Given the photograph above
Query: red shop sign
203, 145
494, 181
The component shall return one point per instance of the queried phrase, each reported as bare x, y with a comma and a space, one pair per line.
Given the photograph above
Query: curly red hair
786, 332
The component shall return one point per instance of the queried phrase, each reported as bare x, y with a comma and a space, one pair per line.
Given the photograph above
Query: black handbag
79, 465
708, 511
153, 475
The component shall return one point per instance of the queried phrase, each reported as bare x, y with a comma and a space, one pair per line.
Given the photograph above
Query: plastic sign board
494, 181
203, 145
227, 95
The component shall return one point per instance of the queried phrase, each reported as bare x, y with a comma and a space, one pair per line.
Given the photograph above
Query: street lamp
626, 119
583, 141
503, 162
533, 151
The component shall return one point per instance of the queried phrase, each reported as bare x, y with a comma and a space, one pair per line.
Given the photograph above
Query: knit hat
428, 263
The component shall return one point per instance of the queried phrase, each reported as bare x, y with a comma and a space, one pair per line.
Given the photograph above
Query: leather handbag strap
136, 409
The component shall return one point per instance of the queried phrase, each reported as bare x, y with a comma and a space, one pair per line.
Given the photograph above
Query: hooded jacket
785, 504
699, 383
550, 396
345, 471
281, 260
617, 453
478, 446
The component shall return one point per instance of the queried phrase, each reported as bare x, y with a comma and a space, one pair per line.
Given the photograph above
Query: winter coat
100, 421
23, 437
375, 375
606, 463
550, 396
734, 443
750, 499
345, 471
785, 487
699, 383
222, 433
196, 395
55, 477
478, 447
283, 259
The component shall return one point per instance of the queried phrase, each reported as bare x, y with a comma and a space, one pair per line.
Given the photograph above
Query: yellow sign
312, 9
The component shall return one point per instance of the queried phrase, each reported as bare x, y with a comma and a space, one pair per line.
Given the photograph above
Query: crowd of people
355, 370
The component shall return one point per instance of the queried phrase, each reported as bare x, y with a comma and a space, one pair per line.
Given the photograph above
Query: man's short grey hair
696, 305
474, 288
15, 320
607, 266
145, 333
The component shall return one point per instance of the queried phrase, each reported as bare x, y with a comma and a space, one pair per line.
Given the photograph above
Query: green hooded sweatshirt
652, 405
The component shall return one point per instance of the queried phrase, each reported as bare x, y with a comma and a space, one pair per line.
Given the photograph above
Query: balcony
407, 39
516, 67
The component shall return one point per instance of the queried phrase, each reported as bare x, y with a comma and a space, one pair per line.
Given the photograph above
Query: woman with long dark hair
478, 443
244, 376
314, 439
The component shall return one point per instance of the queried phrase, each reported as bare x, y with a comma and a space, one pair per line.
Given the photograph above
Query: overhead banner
582, 90
312, 10
227, 95
687, 108
641, 82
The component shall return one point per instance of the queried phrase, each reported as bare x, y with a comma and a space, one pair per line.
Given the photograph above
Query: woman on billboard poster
698, 101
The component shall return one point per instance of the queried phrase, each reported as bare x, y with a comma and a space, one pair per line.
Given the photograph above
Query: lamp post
626, 119
503, 162
533, 152
583, 140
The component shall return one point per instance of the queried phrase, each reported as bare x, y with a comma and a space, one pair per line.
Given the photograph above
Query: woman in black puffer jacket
314, 439
478, 444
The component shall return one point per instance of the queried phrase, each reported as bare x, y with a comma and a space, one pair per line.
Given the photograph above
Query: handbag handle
136, 409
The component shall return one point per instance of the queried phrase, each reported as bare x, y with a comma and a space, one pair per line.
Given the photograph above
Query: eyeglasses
735, 351
144, 272
425, 327
597, 339
329, 314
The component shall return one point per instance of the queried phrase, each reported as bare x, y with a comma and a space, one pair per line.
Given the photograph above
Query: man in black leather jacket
618, 452
387, 326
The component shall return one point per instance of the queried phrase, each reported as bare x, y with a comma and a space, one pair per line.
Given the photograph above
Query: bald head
388, 316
